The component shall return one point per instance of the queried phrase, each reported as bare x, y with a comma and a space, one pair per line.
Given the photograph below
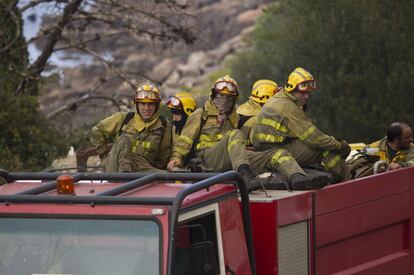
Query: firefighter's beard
224, 103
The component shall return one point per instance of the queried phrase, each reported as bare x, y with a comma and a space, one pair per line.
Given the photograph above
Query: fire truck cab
202, 223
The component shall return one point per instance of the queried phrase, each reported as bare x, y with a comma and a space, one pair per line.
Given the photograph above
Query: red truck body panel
365, 226
270, 213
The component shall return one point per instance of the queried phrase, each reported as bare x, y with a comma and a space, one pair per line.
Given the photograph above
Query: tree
360, 52
27, 140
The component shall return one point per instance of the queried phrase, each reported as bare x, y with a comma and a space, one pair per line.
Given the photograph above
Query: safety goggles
223, 86
147, 96
174, 102
307, 86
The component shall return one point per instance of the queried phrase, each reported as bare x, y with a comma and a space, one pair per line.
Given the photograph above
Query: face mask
224, 103
179, 125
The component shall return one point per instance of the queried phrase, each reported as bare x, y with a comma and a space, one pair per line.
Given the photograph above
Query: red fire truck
200, 223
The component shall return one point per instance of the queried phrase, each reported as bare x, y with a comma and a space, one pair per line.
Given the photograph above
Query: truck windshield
32, 246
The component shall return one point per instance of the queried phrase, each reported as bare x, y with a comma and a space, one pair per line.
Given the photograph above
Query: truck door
199, 248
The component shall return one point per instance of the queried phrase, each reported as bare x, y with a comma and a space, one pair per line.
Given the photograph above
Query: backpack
361, 165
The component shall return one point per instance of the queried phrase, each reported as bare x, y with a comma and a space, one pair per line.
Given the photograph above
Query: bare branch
108, 64
85, 98
38, 66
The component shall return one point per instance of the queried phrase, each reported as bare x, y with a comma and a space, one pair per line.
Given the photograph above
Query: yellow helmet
263, 90
302, 79
182, 101
225, 85
147, 93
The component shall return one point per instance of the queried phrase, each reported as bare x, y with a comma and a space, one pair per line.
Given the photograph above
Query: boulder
161, 71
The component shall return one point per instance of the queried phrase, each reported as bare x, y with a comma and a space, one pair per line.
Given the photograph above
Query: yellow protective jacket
149, 140
207, 137
404, 157
282, 120
249, 110
174, 134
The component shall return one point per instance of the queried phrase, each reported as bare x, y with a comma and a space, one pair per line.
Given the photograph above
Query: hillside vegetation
360, 52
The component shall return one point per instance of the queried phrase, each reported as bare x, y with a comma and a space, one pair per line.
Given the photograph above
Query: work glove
345, 149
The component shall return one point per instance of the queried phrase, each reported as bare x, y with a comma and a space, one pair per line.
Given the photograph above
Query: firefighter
213, 130
396, 149
261, 92
142, 139
181, 105
284, 126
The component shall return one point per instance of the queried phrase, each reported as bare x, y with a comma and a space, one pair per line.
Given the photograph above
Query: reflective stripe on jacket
281, 119
151, 140
249, 109
208, 136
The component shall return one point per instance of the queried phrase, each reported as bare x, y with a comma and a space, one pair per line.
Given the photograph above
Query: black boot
302, 182
252, 182
319, 181
299, 181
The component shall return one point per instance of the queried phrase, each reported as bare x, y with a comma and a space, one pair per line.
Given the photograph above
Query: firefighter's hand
345, 149
394, 165
171, 164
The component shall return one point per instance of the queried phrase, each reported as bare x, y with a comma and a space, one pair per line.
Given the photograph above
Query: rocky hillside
80, 97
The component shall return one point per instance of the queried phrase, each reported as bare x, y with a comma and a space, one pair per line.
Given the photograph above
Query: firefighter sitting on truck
395, 151
142, 139
213, 130
217, 142
261, 92
181, 105
284, 126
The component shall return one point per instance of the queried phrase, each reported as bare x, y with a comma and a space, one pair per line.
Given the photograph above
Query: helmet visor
226, 88
146, 96
174, 102
307, 86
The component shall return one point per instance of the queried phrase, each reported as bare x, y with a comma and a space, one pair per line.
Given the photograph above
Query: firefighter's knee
235, 139
236, 134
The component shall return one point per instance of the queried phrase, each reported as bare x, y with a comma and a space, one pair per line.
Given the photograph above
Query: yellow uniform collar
139, 124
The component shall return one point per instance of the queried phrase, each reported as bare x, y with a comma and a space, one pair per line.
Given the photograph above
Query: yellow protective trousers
227, 154
290, 158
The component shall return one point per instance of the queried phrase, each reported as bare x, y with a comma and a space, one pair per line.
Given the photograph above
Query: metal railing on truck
133, 181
